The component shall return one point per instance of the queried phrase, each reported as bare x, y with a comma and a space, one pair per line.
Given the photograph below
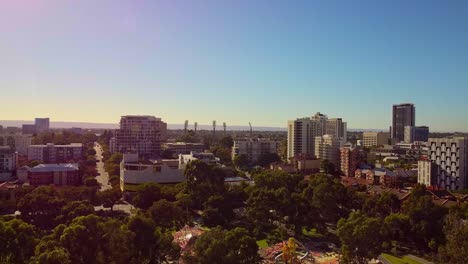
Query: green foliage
267, 159
110, 197
226, 142
241, 161
455, 248
91, 182
74, 209
360, 238
219, 246
168, 215
327, 167
17, 240
146, 194
41, 206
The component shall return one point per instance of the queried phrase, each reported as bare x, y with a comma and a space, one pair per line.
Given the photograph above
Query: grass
397, 260
262, 243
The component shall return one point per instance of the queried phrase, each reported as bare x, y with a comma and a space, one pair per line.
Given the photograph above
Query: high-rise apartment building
450, 155
372, 139
350, 157
327, 147
140, 134
254, 149
303, 131
42, 124
403, 115
416, 133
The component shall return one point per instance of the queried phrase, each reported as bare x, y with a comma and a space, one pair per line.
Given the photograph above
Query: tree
360, 237
110, 197
456, 233
267, 159
219, 246
226, 142
41, 206
146, 194
327, 167
241, 161
114, 181
17, 240
74, 209
167, 215
152, 246
57, 255
91, 182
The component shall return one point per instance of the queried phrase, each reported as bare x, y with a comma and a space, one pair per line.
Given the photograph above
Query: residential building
8, 196
450, 155
350, 158
29, 129
42, 124
134, 172
178, 148
254, 149
372, 139
427, 172
327, 147
17, 142
112, 145
336, 127
416, 134
63, 174
205, 157
303, 131
51, 153
8, 163
140, 134
403, 115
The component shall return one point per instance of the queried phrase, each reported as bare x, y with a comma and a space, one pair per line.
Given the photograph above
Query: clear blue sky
263, 61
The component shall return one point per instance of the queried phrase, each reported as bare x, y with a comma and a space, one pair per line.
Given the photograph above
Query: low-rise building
17, 141
178, 148
8, 163
254, 149
134, 172
8, 196
416, 134
29, 129
372, 139
205, 157
51, 153
63, 174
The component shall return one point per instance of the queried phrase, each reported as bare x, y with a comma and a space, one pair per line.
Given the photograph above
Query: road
103, 176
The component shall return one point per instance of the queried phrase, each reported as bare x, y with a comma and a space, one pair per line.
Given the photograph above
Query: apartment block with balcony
254, 149
51, 153
372, 139
327, 147
350, 157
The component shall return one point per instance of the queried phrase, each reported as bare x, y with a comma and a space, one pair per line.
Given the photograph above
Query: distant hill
90, 125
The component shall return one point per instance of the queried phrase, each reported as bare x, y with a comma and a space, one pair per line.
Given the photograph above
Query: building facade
427, 172
42, 124
450, 155
51, 153
140, 134
350, 157
134, 173
58, 174
327, 147
372, 139
254, 149
29, 129
403, 115
303, 131
17, 142
8, 163
178, 148
416, 134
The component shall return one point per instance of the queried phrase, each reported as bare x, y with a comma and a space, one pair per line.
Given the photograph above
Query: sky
259, 61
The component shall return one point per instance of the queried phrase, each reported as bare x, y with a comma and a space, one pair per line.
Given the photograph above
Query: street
103, 177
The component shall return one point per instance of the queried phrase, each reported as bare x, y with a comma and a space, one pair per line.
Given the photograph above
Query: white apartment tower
140, 134
450, 156
327, 147
254, 149
303, 131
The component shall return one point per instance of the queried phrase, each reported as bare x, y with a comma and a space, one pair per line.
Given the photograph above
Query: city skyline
238, 62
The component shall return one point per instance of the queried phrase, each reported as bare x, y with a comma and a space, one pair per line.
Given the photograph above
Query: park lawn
397, 260
262, 243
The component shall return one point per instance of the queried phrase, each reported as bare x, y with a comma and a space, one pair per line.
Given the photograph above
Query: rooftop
55, 167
